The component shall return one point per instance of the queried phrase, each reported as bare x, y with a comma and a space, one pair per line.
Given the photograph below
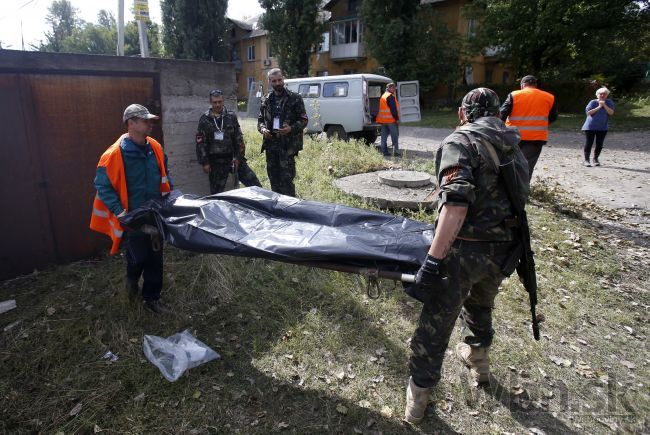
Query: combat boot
477, 359
417, 399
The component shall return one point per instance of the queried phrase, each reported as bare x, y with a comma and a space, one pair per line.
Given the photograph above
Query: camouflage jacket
207, 143
291, 110
468, 176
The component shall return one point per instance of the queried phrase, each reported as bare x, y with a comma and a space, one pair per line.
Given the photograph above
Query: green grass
631, 114
305, 351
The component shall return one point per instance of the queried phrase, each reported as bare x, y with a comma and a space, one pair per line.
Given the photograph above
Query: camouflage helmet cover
480, 102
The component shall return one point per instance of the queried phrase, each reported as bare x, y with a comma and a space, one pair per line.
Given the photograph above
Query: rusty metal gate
53, 128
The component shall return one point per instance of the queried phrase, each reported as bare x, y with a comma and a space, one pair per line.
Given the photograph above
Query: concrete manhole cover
372, 187
404, 178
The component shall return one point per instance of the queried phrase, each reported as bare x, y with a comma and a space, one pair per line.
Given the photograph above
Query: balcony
346, 51
345, 42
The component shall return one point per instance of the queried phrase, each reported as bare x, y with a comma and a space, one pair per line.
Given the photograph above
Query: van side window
374, 91
339, 89
310, 90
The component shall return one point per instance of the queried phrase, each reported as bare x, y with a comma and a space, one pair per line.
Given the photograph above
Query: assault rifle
522, 257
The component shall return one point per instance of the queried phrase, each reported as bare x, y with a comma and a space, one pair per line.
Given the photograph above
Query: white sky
32, 15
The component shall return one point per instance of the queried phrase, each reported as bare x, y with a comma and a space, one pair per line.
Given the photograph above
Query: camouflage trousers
474, 279
281, 169
221, 168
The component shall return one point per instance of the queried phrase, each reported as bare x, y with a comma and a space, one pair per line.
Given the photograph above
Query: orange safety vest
530, 109
384, 116
102, 219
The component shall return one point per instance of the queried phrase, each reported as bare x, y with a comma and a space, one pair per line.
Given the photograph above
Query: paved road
622, 182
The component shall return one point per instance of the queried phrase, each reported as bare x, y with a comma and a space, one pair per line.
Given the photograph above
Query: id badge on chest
218, 135
276, 123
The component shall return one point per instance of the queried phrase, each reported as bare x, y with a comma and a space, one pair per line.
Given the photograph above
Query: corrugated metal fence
54, 125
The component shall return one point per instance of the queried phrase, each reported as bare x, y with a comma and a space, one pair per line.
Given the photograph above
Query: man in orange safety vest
388, 117
131, 171
531, 110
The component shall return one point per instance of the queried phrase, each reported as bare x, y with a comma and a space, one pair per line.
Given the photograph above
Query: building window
324, 45
251, 83
269, 50
469, 75
488, 75
352, 5
471, 28
339, 89
322, 73
311, 90
505, 78
346, 32
350, 71
251, 52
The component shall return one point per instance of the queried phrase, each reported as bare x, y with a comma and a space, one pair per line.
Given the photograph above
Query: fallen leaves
628, 364
386, 412
563, 362
76, 410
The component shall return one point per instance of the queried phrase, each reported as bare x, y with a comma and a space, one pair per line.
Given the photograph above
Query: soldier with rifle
481, 237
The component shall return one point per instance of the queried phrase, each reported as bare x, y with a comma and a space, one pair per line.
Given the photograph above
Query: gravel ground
622, 182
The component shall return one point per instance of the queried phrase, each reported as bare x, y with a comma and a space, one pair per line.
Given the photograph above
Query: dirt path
622, 182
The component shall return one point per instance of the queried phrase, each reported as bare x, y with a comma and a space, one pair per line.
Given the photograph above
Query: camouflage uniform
221, 153
468, 176
282, 150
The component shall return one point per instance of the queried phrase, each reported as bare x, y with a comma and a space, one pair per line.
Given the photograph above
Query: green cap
137, 111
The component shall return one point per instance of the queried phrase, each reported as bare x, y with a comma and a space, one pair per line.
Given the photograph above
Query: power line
19, 8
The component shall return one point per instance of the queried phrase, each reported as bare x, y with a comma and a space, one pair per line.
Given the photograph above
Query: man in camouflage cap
473, 238
281, 121
220, 147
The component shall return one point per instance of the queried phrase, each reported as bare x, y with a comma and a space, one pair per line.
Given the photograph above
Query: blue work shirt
142, 177
599, 120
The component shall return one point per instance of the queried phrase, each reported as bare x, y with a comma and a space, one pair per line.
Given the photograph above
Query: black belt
482, 247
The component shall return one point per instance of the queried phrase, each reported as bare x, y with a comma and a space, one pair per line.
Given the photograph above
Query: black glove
427, 281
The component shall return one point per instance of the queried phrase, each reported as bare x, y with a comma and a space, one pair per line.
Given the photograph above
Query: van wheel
369, 137
336, 131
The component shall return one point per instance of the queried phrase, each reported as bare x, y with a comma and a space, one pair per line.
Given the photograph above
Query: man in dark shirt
531, 110
281, 122
220, 147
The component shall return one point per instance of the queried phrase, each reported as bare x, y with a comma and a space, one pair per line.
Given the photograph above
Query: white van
346, 105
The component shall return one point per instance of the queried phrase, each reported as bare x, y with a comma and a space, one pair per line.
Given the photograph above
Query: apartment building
251, 53
342, 50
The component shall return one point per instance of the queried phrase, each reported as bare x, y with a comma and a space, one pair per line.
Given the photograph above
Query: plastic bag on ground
176, 354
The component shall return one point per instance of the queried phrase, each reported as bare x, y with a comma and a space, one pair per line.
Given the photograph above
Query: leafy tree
389, 34
411, 41
63, 19
294, 28
101, 38
195, 29
559, 39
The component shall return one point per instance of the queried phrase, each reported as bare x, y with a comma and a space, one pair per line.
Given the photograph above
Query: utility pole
144, 42
120, 27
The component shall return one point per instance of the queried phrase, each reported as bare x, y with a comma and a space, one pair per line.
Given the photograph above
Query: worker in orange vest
131, 171
531, 110
388, 117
